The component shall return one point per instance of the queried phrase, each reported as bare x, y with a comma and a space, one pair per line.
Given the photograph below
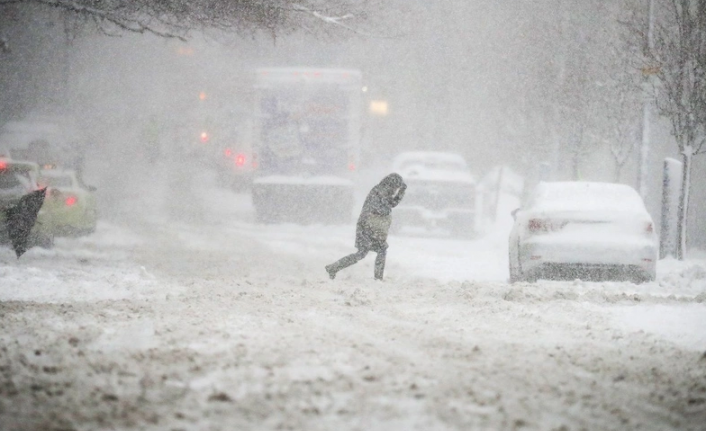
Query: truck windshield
305, 129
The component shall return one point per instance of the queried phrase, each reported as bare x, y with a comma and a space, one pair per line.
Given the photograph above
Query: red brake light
228, 152
3, 164
70, 201
240, 160
204, 137
537, 225
545, 225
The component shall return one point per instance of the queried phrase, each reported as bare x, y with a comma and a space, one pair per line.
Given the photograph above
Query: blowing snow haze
216, 156
529, 85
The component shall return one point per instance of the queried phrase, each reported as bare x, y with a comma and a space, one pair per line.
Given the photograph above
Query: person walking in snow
373, 225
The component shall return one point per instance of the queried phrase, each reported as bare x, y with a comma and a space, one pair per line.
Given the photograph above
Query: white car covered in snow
583, 230
441, 192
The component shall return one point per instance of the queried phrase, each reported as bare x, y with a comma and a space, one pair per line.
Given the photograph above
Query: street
212, 322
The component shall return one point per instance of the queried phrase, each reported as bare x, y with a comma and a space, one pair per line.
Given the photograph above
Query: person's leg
345, 262
380, 262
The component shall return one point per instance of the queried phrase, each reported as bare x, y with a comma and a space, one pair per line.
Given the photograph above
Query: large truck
306, 145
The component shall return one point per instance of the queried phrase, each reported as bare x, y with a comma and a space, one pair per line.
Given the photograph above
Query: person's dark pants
353, 258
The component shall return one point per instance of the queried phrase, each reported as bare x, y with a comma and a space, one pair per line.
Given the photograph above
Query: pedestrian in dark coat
373, 225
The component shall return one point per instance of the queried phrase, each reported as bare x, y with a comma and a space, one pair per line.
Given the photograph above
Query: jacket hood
392, 181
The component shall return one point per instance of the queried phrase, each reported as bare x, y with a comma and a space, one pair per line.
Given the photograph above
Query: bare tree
177, 18
677, 60
578, 102
622, 117
623, 141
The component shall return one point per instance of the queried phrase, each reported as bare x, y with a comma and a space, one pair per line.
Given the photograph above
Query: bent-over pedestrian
373, 225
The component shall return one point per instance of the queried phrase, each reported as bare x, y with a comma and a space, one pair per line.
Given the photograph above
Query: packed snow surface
195, 318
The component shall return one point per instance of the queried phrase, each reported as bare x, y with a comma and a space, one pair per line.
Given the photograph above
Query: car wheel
640, 279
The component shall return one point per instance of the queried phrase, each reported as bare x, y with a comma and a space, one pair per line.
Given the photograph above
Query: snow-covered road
212, 322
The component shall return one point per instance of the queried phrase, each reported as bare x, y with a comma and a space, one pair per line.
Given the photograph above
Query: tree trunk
683, 205
618, 169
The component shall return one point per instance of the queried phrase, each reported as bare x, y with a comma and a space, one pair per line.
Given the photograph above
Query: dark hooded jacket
374, 221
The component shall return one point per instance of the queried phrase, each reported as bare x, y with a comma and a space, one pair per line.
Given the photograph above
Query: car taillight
228, 152
537, 225
204, 137
240, 160
70, 201
3, 164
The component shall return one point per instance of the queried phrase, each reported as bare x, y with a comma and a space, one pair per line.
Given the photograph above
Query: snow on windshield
56, 181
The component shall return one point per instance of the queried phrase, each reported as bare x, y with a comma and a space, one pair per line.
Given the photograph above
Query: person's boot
344, 262
331, 271
379, 266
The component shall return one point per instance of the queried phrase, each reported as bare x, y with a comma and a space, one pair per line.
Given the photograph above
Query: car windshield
10, 180
56, 181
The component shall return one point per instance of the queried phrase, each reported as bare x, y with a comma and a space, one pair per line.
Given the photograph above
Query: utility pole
643, 159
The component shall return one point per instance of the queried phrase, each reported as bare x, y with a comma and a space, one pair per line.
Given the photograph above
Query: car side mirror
514, 213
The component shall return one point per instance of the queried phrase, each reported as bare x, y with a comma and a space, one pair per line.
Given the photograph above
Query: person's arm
399, 194
378, 203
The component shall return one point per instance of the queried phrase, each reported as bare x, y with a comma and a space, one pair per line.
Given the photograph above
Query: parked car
17, 178
71, 203
583, 230
441, 193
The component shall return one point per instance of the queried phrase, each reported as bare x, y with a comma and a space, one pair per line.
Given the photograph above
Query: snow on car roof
56, 173
432, 166
586, 196
428, 157
421, 172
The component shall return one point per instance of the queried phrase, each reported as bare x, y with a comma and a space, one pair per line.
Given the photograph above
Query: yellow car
18, 178
72, 204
